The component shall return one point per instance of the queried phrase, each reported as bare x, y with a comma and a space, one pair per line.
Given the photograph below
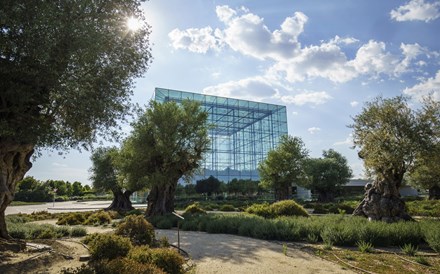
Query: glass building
242, 133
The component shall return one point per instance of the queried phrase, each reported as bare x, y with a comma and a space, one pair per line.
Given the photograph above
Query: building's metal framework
242, 133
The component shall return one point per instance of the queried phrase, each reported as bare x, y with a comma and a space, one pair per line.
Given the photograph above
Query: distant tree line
32, 190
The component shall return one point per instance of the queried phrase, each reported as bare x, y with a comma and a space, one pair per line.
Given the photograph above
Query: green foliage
98, 218
281, 208
409, 249
335, 208
365, 247
242, 186
390, 135
422, 260
193, 209
288, 208
208, 186
431, 233
312, 238
125, 266
227, 208
73, 218
108, 246
137, 228
326, 176
284, 165
103, 169
78, 232
424, 208
165, 221
30, 231
166, 259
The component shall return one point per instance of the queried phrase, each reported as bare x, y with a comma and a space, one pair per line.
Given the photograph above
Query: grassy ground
381, 261
20, 203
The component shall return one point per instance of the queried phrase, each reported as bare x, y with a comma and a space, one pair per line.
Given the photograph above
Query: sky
321, 59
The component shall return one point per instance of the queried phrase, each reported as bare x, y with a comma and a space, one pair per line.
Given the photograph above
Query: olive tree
167, 143
284, 166
326, 175
66, 74
389, 136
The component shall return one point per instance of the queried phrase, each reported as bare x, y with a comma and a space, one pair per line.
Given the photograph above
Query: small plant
194, 209
349, 257
422, 260
108, 246
227, 208
288, 208
285, 249
98, 218
74, 218
168, 260
365, 247
312, 238
409, 249
327, 246
78, 232
137, 228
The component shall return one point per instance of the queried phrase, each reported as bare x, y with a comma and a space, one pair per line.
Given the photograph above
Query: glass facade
242, 133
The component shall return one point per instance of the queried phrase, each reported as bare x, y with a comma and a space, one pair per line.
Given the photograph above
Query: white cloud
416, 10
326, 60
430, 86
313, 130
294, 113
347, 141
195, 40
253, 88
354, 103
314, 98
247, 34
58, 164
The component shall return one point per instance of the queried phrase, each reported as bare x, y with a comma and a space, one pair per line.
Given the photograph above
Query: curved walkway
222, 253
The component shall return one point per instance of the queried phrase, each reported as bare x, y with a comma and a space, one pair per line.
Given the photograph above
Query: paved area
70, 206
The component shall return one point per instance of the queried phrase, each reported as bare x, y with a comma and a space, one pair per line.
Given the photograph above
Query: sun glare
133, 24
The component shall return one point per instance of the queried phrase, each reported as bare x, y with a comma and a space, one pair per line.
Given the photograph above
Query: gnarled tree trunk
382, 202
434, 193
161, 199
14, 163
121, 201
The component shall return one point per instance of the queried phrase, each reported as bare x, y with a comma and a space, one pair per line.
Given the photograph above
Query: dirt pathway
221, 253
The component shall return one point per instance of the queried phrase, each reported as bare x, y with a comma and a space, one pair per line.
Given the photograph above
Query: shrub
135, 212
74, 218
409, 249
227, 208
167, 259
166, 221
365, 247
125, 266
108, 246
137, 228
431, 234
263, 210
193, 209
78, 232
288, 208
98, 218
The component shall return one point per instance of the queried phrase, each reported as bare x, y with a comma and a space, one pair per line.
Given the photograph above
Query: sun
133, 24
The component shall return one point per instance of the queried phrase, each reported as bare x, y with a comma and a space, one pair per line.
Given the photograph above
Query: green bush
125, 266
98, 218
74, 218
167, 259
227, 208
193, 210
424, 208
278, 209
108, 246
78, 232
288, 208
166, 221
137, 228
431, 233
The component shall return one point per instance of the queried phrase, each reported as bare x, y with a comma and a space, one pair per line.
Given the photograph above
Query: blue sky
322, 59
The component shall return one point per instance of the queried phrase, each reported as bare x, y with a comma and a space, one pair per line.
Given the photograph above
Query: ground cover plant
282, 208
338, 230
429, 208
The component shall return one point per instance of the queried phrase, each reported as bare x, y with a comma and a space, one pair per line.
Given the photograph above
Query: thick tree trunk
161, 199
434, 193
121, 201
382, 202
14, 163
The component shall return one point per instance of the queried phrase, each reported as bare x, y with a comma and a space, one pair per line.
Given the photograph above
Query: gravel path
221, 253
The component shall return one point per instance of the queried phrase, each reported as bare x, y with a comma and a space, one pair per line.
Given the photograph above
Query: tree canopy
326, 175
167, 143
208, 185
284, 166
66, 76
